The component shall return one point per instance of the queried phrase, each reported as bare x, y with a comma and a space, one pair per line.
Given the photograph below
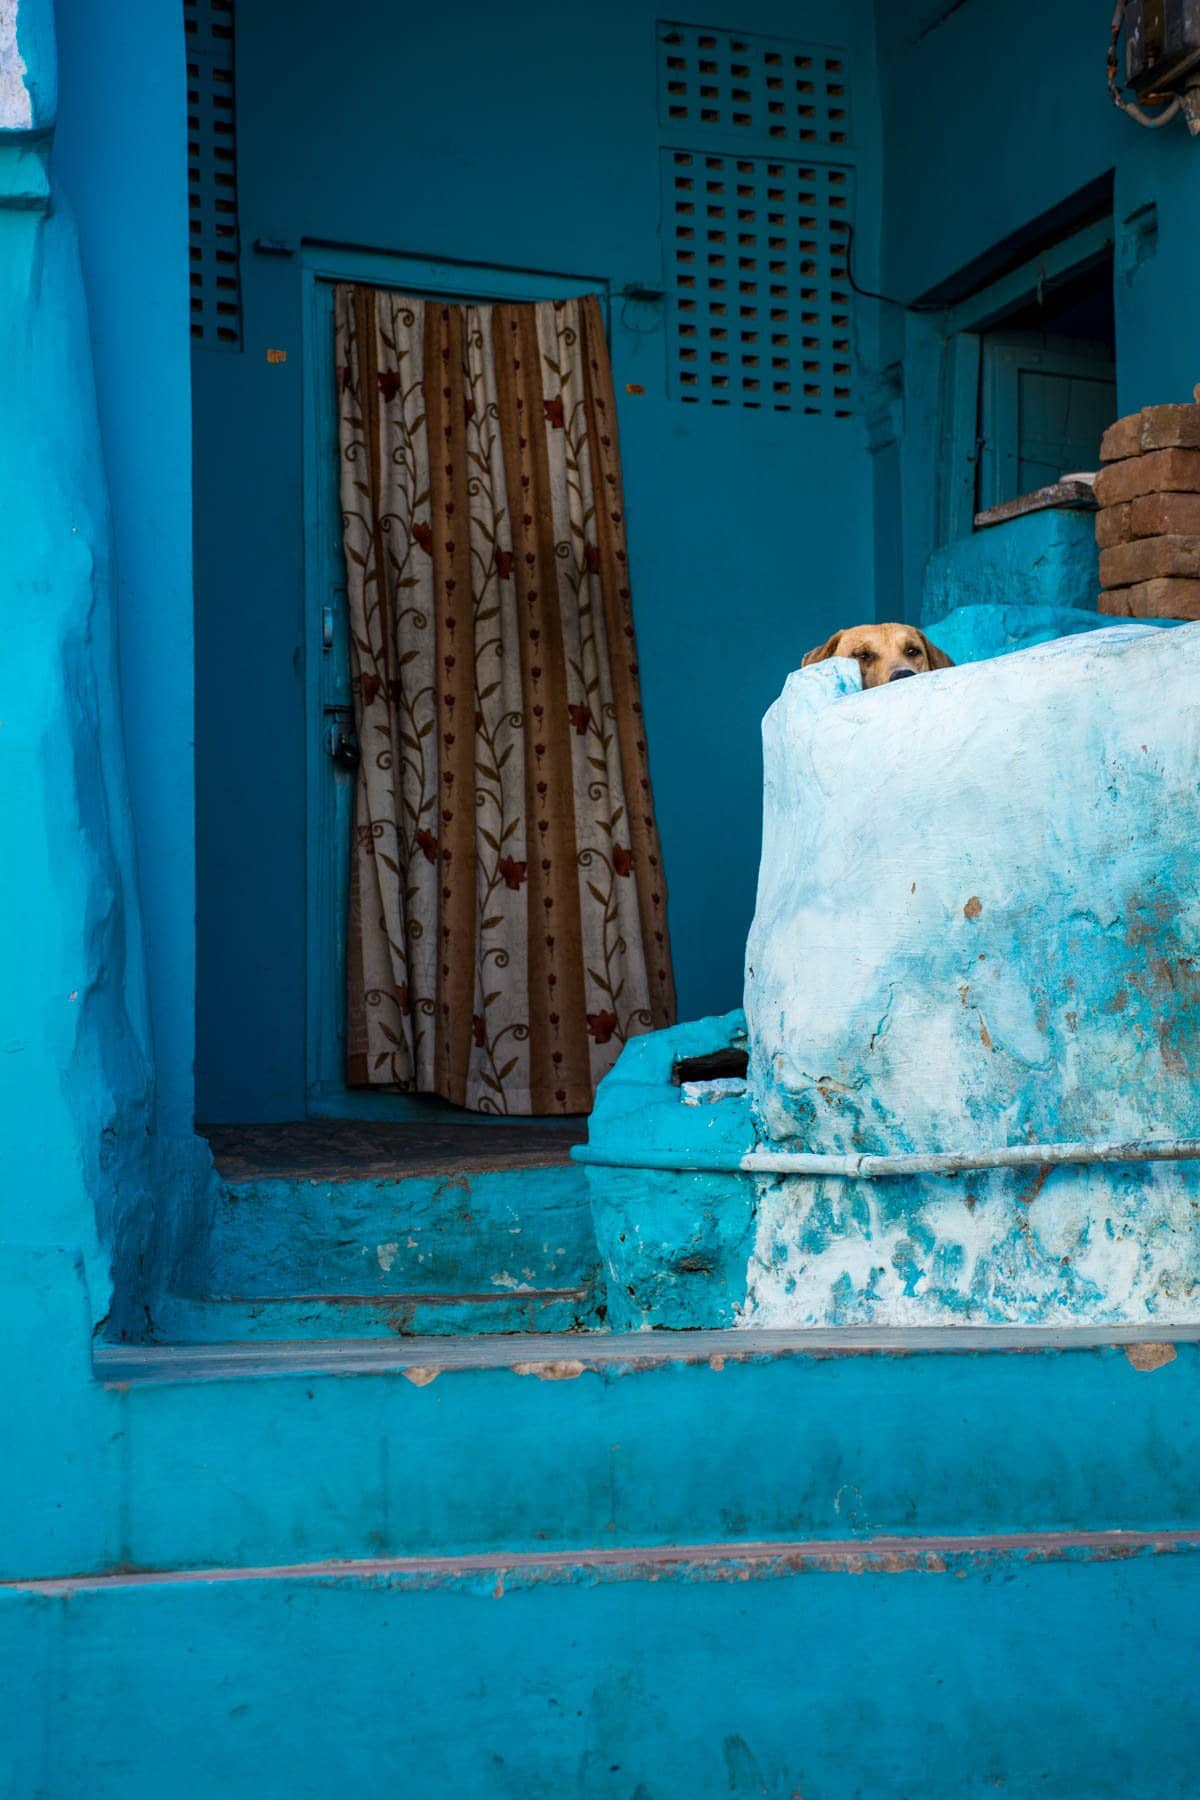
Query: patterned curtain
507, 909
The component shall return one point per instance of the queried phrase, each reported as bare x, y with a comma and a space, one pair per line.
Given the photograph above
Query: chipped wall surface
16, 101
978, 904
1010, 1247
978, 925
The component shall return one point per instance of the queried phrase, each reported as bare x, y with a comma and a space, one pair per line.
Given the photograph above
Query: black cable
912, 306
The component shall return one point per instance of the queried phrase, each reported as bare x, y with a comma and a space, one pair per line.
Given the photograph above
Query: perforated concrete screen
760, 302
758, 193
769, 89
216, 289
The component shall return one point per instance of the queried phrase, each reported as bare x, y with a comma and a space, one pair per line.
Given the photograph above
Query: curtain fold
507, 921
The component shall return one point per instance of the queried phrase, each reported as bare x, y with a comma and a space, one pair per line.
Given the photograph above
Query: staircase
326, 1541
340, 1229
657, 1567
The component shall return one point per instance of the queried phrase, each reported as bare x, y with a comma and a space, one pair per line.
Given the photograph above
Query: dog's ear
937, 658
824, 651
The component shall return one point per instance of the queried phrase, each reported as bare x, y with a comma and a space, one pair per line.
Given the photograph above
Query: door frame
1005, 360
962, 328
328, 792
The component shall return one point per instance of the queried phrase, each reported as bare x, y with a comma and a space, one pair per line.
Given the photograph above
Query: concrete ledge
654, 1562
133, 1365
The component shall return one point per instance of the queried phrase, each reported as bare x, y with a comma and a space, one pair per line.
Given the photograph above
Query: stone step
464, 1228
943, 1668
242, 1454
282, 1318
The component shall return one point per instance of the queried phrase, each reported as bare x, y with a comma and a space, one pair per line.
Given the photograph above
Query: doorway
1029, 378
1048, 387
331, 754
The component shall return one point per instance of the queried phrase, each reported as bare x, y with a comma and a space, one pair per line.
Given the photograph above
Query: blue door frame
961, 330
329, 788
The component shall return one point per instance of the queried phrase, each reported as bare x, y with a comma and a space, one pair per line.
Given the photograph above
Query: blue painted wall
130, 209
992, 116
128, 319
750, 533
97, 1157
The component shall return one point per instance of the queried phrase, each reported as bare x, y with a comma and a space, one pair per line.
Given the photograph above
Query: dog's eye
912, 650
865, 655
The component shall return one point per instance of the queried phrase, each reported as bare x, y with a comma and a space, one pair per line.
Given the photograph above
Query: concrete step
906, 1669
336, 1228
242, 1453
276, 1318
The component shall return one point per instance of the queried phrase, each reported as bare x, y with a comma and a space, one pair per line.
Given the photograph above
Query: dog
883, 652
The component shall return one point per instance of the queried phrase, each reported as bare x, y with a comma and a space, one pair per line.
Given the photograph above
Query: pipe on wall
876, 1168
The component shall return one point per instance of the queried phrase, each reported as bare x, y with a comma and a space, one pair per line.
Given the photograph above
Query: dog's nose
901, 674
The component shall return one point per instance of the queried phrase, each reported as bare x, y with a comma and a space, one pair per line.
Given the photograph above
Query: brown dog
882, 652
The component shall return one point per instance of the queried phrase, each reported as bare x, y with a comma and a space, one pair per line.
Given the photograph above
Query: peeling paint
1148, 1357
421, 1377
1086, 999
867, 1010
16, 102
562, 1369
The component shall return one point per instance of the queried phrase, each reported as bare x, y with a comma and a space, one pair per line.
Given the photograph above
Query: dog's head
882, 652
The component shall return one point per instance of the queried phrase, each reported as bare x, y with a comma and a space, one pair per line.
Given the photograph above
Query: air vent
761, 313
769, 92
216, 283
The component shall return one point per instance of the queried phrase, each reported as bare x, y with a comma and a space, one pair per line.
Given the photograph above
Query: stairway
656, 1567
340, 1229
366, 1518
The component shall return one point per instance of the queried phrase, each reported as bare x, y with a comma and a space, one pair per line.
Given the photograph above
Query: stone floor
349, 1149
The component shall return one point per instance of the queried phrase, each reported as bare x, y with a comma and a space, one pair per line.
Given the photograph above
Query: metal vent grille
216, 283
761, 303
776, 93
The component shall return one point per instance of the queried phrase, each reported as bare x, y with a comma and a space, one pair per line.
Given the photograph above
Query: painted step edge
277, 1318
579, 1352
421, 1234
513, 1570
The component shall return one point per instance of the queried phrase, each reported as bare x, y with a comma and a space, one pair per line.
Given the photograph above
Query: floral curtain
507, 910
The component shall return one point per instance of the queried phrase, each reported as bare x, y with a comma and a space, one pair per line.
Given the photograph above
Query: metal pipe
866, 1167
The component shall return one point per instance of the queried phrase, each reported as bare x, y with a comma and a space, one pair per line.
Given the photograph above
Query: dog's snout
901, 674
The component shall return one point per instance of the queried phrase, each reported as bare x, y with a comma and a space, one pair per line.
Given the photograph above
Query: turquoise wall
531, 144
125, 309
130, 209
95, 1101
993, 116
826, 1660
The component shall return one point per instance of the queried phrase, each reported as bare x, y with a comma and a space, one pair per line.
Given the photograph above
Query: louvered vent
216, 285
756, 251
720, 82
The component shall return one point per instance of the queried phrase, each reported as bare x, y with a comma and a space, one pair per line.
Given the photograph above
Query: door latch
341, 740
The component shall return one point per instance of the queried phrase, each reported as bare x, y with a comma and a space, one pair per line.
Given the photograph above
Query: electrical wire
912, 306
1151, 121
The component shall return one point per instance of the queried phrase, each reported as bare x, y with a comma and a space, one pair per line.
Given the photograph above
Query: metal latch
341, 739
